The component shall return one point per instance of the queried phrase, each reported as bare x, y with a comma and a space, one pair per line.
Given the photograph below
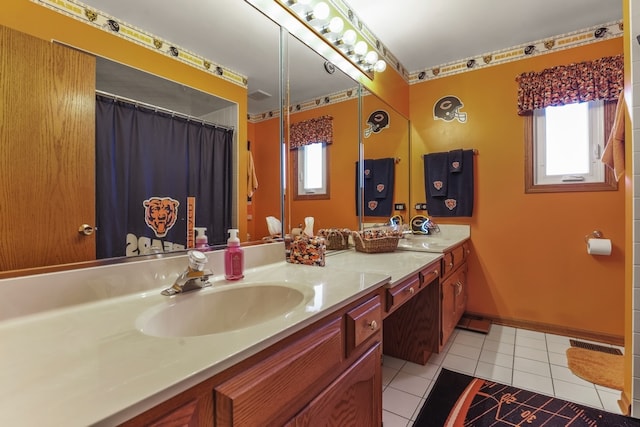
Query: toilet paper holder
595, 234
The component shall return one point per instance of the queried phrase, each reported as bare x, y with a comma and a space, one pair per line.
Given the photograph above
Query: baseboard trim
625, 404
553, 329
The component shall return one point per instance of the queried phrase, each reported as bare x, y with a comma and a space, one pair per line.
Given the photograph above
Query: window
311, 170
564, 145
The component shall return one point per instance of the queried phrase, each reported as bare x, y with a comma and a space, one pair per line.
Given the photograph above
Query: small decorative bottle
233, 257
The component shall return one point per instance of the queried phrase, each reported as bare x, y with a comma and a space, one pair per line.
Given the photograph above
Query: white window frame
302, 191
596, 173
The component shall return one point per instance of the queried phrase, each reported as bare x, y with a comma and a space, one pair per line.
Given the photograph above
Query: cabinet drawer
458, 256
447, 264
454, 259
363, 322
274, 390
429, 274
466, 250
403, 291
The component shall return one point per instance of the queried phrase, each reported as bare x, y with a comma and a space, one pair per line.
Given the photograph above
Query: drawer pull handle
373, 325
411, 290
435, 272
450, 264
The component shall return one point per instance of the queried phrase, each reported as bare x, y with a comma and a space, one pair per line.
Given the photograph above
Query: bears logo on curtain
160, 214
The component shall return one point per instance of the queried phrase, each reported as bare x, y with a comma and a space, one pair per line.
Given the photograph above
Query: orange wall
39, 21
390, 86
342, 156
529, 259
340, 209
264, 137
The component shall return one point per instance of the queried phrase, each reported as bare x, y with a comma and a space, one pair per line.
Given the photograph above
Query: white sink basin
213, 311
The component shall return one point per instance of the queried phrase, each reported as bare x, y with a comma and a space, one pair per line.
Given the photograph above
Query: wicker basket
336, 238
376, 244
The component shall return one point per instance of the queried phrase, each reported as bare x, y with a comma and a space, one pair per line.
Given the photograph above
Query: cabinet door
354, 399
453, 302
47, 152
274, 390
460, 292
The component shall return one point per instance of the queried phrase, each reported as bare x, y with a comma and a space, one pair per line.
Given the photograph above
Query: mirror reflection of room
331, 103
167, 166
385, 188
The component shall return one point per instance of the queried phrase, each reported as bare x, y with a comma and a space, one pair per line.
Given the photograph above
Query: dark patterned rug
458, 400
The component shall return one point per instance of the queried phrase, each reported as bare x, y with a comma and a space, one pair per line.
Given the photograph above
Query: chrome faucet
194, 277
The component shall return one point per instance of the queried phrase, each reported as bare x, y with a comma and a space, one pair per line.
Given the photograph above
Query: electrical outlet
399, 207
421, 206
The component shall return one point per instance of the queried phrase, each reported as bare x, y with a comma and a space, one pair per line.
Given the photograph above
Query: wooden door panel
47, 154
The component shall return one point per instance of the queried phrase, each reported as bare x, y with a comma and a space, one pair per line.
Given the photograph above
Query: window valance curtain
319, 129
585, 81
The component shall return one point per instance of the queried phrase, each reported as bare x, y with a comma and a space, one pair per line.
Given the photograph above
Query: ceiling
421, 34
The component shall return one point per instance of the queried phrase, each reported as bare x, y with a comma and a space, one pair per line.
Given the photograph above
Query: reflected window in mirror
311, 164
311, 140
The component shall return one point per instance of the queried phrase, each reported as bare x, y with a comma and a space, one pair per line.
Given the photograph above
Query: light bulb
360, 48
349, 37
336, 24
380, 66
371, 57
321, 11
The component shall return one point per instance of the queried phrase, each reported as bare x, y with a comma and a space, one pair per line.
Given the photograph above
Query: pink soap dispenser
233, 257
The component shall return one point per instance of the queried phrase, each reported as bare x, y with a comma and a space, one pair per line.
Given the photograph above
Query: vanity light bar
325, 28
327, 21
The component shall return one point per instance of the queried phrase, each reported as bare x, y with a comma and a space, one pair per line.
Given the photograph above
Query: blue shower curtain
147, 164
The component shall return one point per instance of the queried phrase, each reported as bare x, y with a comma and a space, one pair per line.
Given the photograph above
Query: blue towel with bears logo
458, 200
379, 177
436, 173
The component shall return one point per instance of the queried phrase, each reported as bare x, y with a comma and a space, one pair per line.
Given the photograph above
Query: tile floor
527, 359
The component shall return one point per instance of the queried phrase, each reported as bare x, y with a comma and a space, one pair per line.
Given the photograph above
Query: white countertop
87, 364
449, 236
398, 265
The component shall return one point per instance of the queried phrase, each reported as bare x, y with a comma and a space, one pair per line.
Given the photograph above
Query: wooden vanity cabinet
351, 400
423, 310
412, 325
355, 397
329, 371
453, 290
272, 391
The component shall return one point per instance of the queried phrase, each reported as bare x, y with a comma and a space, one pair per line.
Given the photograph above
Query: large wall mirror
148, 86
386, 152
232, 42
335, 96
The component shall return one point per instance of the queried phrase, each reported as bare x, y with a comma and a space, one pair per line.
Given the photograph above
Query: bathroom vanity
114, 354
303, 377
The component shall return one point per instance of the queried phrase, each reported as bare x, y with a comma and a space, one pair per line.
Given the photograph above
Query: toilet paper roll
599, 246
